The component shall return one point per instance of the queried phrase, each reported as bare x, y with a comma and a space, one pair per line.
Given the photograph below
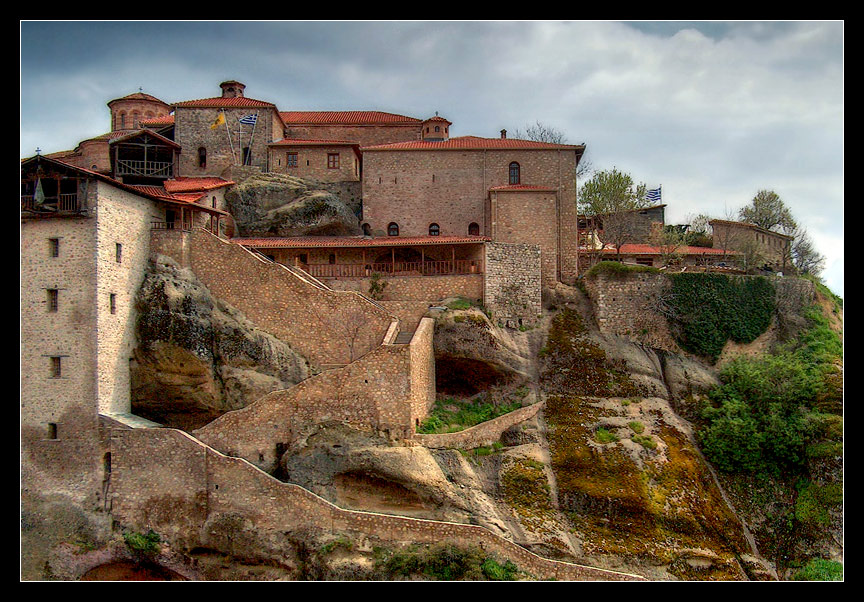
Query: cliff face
197, 357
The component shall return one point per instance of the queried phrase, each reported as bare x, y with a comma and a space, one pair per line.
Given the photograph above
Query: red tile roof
195, 184
233, 102
138, 96
345, 118
437, 118
636, 249
313, 142
303, 242
157, 121
160, 192
523, 187
472, 143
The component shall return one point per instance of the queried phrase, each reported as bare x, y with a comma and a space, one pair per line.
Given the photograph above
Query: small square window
54, 247
291, 160
332, 160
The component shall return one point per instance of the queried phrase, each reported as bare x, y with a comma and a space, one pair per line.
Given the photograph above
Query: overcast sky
713, 112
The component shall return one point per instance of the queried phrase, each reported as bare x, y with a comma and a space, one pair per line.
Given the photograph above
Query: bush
450, 415
605, 436
145, 543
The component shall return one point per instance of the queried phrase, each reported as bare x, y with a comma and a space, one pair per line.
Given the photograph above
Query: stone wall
365, 135
627, 305
388, 390
167, 481
485, 433
512, 287
313, 162
325, 326
528, 217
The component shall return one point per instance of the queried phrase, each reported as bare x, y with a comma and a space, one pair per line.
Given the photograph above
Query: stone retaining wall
166, 480
482, 434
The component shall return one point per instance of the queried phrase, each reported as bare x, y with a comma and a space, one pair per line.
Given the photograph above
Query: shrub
645, 441
636, 427
145, 543
605, 436
820, 569
450, 415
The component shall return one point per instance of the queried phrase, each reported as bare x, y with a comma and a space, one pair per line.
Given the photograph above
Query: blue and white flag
653, 195
249, 119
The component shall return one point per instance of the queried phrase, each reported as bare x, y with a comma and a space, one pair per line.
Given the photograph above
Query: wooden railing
63, 202
398, 268
144, 168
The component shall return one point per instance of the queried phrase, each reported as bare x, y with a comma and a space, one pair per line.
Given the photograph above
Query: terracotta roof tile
472, 143
138, 96
637, 249
157, 121
195, 184
346, 118
313, 142
237, 101
355, 241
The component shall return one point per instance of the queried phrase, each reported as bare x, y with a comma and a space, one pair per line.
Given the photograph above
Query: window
202, 157
437, 128
214, 202
332, 160
434, 230
54, 247
118, 252
515, 176
112, 302
56, 367
367, 230
247, 156
332, 259
52, 430
473, 229
291, 160
52, 299
393, 229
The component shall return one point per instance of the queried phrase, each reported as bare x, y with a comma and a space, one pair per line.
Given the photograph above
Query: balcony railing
398, 268
150, 169
58, 203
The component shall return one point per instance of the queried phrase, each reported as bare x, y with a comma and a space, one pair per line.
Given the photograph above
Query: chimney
232, 89
503, 133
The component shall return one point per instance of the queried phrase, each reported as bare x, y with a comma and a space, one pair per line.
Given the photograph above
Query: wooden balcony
63, 203
178, 226
397, 268
147, 169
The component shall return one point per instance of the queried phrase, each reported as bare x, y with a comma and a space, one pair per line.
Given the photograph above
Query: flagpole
230, 144
252, 137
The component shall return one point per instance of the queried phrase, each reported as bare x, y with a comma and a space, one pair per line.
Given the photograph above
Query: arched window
393, 229
434, 230
437, 128
515, 176
202, 157
122, 120
473, 229
367, 229
135, 116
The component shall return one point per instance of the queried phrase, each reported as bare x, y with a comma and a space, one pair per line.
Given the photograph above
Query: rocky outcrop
281, 205
197, 357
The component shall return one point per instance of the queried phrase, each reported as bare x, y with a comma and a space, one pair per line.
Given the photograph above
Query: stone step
403, 338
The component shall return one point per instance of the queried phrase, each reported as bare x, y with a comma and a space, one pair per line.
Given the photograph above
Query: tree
768, 211
699, 231
609, 199
670, 242
805, 258
540, 132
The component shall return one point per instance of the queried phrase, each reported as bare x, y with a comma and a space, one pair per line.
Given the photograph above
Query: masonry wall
121, 218
325, 326
485, 433
312, 162
628, 305
365, 135
372, 393
192, 131
513, 284
528, 217
451, 188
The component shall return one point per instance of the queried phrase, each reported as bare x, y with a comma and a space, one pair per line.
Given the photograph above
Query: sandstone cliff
197, 357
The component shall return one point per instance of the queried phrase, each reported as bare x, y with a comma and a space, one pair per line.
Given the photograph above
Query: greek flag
249, 119
653, 195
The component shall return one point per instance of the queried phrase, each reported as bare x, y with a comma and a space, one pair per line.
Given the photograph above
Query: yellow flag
219, 121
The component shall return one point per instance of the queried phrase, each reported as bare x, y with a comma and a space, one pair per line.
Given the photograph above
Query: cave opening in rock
466, 377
